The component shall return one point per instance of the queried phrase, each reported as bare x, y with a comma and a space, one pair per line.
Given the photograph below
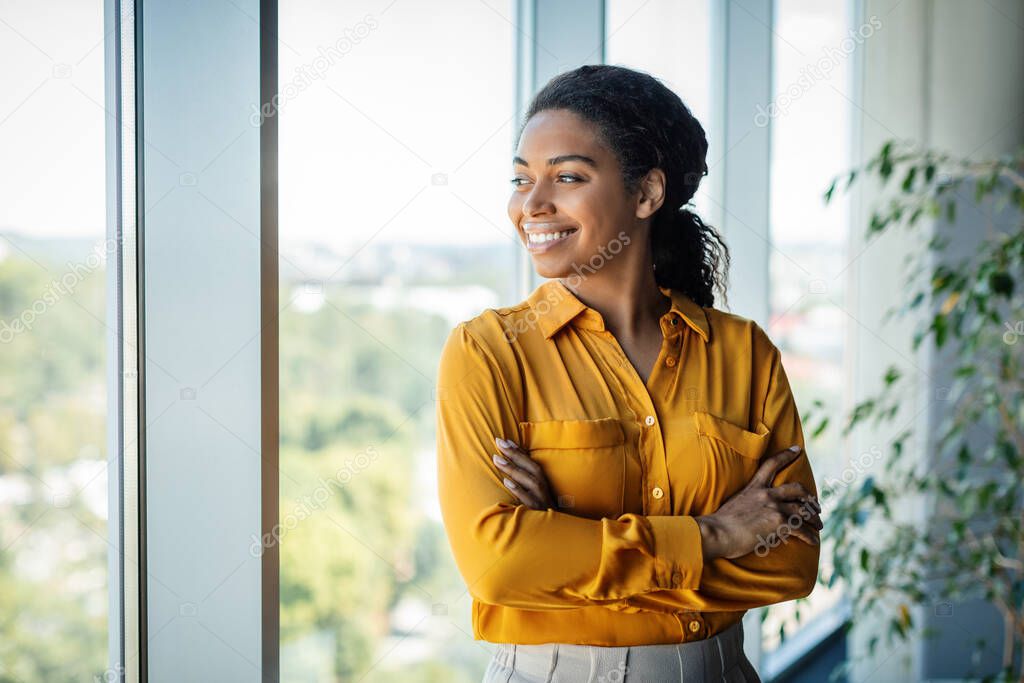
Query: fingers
524, 495
801, 514
523, 477
518, 457
520, 478
794, 498
771, 465
806, 534
793, 490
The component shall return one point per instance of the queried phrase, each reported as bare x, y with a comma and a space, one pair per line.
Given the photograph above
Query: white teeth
540, 238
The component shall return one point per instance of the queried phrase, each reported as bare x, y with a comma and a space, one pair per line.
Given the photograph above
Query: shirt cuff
678, 555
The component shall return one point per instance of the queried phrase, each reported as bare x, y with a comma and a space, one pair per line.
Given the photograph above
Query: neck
627, 303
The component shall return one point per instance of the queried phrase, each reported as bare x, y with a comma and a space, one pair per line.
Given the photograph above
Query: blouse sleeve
510, 554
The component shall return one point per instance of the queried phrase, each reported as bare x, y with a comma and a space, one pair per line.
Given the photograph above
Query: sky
52, 118
404, 135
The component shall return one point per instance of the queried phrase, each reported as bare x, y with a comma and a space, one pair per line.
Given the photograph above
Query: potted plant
969, 301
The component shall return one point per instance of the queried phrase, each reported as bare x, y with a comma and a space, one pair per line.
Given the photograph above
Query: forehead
558, 131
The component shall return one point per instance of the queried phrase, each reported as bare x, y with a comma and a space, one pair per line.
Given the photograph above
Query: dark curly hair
647, 126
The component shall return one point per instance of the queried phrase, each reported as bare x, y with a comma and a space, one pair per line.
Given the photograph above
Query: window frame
153, 546
741, 78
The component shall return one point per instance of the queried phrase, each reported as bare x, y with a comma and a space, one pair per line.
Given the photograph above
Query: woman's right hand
759, 511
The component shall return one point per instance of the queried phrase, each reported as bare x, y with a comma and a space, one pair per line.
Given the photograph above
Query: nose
538, 200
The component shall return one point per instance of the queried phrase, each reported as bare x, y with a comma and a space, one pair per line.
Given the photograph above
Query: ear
652, 193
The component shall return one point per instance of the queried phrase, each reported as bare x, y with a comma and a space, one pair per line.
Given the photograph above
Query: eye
564, 177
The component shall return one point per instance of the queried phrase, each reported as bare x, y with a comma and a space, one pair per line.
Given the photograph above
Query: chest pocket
730, 455
584, 461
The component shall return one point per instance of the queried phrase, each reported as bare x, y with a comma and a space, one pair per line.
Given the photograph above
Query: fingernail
509, 483
795, 449
500, 460
504, 443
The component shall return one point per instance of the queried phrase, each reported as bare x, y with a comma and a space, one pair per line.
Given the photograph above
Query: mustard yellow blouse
632, 464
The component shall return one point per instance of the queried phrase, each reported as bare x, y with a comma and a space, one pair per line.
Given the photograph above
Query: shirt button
670, 362
649, 420
694, 626
657, 492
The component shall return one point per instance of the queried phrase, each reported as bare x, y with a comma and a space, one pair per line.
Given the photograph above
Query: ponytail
689, 255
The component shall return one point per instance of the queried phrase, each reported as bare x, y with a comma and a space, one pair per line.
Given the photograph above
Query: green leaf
1001, 283
868, 486
878, 223
965, 371
886, 151
885, 170
908, 180
1017, 195
980, 190
939, 325
829, 191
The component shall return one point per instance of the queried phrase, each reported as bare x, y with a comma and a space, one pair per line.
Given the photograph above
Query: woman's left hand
523, 476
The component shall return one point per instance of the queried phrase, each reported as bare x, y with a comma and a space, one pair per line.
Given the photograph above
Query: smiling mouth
541, 241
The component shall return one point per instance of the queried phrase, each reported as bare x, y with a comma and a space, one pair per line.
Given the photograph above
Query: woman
621, 466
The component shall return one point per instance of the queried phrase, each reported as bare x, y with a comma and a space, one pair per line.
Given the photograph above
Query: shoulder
487, 336
497, 329
732, 330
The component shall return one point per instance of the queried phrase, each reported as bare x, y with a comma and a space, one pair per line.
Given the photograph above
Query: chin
550, 270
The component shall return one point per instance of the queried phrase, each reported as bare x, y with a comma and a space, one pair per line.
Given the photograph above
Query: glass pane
810, 118
671, 40
53, 354
394, 144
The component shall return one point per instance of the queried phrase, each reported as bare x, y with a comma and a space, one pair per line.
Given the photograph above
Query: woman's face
568, 203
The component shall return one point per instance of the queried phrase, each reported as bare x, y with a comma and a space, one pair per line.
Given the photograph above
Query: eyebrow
559, 159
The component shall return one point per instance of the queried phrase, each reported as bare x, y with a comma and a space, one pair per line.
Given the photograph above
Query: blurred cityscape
368, 587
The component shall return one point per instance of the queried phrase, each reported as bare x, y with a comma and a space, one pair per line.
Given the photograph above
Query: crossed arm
512, 554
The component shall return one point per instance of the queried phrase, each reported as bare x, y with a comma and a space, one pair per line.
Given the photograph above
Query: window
395, 146
810, 118
671, 40
53, 353
394, 157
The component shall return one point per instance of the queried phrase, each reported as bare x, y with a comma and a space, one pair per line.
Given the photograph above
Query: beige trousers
719, 658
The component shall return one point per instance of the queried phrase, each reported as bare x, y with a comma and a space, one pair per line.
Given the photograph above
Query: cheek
590, 206
591, 211
515, 207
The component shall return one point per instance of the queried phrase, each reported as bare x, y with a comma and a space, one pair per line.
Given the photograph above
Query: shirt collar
553, 305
